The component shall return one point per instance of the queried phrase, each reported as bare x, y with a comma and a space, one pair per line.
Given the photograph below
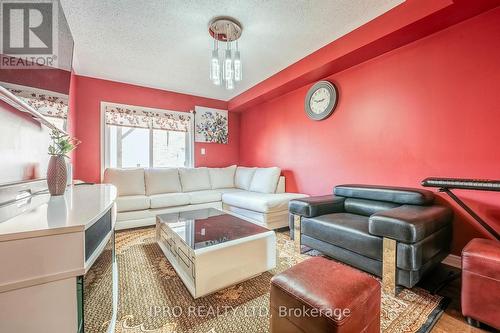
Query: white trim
192, 147
102, 139
453, 261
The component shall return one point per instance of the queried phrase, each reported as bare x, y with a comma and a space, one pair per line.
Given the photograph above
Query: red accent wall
430, 108
89, 94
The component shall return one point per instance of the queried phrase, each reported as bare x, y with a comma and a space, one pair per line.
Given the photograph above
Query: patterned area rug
154, 299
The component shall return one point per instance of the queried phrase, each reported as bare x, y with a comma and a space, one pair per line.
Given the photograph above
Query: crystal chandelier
225, 65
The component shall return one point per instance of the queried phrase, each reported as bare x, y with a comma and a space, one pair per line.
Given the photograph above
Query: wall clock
321, 100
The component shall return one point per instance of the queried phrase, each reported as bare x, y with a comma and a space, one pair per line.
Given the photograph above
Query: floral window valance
48, 103
136, 116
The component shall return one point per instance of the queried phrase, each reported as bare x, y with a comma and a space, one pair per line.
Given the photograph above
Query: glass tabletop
207, 227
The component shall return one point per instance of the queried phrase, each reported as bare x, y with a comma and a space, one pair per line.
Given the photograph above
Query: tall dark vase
57, 175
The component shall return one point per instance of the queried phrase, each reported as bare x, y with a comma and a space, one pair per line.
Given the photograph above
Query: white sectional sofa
255, 194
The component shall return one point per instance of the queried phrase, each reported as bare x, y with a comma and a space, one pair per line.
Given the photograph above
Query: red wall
430, 108
89, 94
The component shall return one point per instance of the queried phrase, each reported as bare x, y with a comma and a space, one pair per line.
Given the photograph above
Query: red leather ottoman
321, 295
481, 282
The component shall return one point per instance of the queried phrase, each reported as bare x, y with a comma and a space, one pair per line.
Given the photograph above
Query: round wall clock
321, 100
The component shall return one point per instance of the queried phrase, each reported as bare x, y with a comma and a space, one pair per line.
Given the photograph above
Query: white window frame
105, 134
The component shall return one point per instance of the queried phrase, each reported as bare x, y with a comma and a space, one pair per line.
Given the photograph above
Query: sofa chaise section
270, 209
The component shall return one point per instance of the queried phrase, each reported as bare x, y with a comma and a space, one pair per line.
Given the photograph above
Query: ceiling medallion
225, 66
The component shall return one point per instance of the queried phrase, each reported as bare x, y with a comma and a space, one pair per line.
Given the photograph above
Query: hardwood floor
452, 320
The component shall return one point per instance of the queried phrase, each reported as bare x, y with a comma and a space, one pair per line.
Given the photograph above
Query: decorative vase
57, 175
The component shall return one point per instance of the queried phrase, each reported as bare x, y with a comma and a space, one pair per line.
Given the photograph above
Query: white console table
43, 251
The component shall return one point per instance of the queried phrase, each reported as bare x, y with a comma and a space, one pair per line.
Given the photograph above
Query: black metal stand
471, 212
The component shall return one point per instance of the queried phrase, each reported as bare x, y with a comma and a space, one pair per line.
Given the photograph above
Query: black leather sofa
350, 225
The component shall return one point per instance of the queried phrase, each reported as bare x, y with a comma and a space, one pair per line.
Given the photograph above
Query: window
170, 148
149, 138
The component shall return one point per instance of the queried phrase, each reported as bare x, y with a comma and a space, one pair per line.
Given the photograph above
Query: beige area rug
152, 298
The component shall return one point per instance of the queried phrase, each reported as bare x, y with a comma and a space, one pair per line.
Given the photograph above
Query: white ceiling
165, 44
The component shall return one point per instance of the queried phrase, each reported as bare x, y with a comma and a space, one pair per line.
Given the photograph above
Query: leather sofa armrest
409, 223
316, 206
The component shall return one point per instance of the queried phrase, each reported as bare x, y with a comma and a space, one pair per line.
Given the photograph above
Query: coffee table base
210, 269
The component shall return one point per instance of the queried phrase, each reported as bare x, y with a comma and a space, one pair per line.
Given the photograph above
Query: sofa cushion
222, 177
366, 207
399, 195
260, 202
265, 180
348, 231
230, 190
194, 179
243, 177
132, 202
162, 180
409, 223
315, 206
127, 181
169, 200
198, 197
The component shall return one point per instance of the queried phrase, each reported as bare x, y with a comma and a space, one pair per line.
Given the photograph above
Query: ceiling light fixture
225, 66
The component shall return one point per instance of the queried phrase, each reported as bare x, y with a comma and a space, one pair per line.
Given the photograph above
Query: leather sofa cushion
162, 180
198, 197
407, 278
414, 256
222, 177
367, 207
132, 202
345, 230
315, 206
243, 177
169, 200
194, 179
409, 223
410, 256
127, 181
265, 180
482, 256
400, 195
260, 202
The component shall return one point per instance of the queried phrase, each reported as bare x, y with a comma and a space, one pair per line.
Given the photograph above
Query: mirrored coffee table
211, 250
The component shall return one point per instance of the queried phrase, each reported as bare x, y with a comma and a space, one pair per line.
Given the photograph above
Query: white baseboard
453, 260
